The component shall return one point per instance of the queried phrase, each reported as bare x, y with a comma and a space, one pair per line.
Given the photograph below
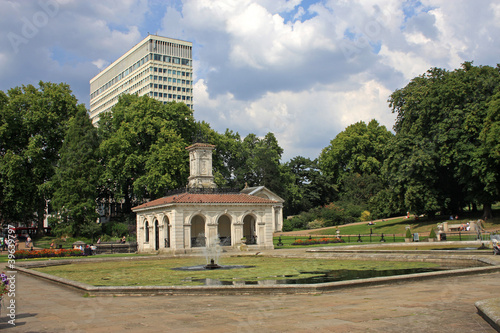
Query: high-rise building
159, 67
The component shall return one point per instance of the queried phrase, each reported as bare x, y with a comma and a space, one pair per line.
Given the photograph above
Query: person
28, 241
124, 239
496, 249
52, 245
99, 240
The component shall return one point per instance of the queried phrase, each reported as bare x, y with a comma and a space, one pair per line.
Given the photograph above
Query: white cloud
302, 69
101, 63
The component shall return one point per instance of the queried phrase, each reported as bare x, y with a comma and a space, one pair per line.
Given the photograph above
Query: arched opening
166, 227
198, 238
157, 236
224, 230
146, 232
249, 230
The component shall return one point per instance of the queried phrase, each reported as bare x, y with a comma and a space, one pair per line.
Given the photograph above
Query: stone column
237, 232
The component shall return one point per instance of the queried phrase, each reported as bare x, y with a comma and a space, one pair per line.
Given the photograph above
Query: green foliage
408, 233
365, 216
33, 122
440, 159
359, 149
307, 186
77, 177
143, 147
432, 234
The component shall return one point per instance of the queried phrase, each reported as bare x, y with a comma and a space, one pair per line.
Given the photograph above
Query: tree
307, 186
438, 159
77, 177
261, 165
360, 149
33, 122
143, 148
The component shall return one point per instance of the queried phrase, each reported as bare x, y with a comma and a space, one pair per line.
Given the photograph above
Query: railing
393, 238
224, 190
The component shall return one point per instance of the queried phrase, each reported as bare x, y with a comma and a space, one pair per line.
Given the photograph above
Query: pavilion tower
200, 165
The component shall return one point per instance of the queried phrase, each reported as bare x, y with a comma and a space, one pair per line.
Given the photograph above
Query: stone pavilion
201, 214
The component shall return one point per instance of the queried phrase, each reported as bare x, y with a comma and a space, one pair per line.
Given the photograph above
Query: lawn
398, 226
159, 272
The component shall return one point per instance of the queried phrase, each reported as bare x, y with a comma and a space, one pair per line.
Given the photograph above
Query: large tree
143, 148
307, 187
437, 159
33, 122
359, 149
77, 178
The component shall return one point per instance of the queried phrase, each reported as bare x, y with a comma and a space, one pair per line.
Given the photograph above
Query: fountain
212, 248
212, 265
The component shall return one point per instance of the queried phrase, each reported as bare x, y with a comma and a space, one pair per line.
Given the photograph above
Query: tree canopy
442, 155
77, 177
143, 147
33, 122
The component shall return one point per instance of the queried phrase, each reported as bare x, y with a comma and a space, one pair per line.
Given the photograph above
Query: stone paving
435, 305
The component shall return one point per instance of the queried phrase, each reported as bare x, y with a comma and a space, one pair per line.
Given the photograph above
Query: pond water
322, 277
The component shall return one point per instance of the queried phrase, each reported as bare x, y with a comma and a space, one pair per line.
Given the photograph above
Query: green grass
397, 226
159, 272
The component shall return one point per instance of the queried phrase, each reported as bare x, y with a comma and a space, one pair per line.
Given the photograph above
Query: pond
319, 277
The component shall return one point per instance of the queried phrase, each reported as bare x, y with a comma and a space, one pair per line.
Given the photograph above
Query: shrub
365, 216
408, 233
318, 223
432, 233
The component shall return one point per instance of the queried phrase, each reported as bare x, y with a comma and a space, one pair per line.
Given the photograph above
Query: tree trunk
487, 212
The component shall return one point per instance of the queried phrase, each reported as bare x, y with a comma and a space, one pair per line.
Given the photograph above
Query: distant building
202, 215
159, 67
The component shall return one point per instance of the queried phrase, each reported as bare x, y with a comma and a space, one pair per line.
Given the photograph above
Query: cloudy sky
302, 69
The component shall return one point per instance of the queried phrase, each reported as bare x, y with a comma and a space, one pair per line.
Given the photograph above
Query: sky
302, 69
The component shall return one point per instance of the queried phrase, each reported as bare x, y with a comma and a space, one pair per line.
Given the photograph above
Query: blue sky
303, 70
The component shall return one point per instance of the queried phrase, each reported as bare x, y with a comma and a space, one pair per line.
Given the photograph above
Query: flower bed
314, 241
47, 253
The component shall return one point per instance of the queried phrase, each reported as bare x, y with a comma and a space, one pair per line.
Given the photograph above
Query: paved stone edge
489, 309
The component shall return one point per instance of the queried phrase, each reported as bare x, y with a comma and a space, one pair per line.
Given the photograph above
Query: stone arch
157, 234
166, 231
250, 228
198, 232
146, 231
224, 229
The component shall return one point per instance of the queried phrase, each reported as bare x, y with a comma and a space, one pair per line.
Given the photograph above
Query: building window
156, 94
169, 95
155, 85
155, 69
146, 232
160, 95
